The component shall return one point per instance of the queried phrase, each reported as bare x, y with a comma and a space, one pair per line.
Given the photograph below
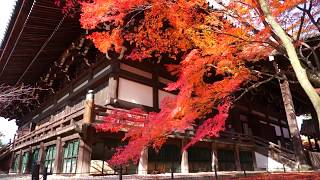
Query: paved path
178, 176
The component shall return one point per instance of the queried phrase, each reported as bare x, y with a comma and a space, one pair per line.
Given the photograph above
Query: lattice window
70, 156
35, 156
25, 159
50, 157
15, 164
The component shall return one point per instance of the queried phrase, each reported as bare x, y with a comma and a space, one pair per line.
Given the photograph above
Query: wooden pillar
113, 81
316, 144
29, 165
13, 153
19, 171
89, 108
237, 157
84, 156
315, 119
58, 156
42, 154
155, 88
254, 161
214, 156
143, 162
310, 144
85, 148
12, 162
184, 158
112, 89
184, 162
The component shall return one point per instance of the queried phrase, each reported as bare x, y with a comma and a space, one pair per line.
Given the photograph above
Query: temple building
80, 86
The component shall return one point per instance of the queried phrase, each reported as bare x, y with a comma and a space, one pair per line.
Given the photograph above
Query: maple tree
206, 47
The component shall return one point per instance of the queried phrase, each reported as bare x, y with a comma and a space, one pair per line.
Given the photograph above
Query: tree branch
256, 85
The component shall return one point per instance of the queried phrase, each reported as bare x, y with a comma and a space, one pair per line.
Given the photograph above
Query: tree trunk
292, 121
293, 58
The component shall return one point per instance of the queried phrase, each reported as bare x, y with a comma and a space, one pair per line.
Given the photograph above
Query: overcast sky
8, 128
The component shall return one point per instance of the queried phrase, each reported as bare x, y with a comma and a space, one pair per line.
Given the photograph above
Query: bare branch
301, 22
256, 85
12, 95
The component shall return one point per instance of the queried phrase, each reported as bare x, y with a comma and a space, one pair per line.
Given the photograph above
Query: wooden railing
275, 147
64, 121
233, 136
6, 150
126, 117
101, 112
259, 142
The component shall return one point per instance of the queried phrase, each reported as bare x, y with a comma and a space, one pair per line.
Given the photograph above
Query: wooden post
184, 159
58, 156
89, 108
12, 162
42, 153
120, 172
214, 159
20, 163
113, 81
215, 171
316, 144
237, 158
254, 159
84, 156
184, 162
310, 144
143, 162
13, 153
155, 87
112, 89
29, 165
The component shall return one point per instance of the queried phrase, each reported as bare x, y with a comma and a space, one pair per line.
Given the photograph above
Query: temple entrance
246, 160
226, 160
163, 161
199, 159
101, 153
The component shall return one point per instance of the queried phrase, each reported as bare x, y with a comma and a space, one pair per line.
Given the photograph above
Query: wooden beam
89, 108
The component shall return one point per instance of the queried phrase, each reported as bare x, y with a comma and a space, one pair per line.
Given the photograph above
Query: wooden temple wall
63, 125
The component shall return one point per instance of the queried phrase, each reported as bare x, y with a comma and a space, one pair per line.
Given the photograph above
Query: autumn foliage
207, 47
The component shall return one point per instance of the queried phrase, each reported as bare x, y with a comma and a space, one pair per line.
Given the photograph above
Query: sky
8, 128
6, 8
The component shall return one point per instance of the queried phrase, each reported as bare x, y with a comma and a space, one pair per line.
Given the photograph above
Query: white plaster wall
264, 162
286, 132
135, 92
277, 129
100, 95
